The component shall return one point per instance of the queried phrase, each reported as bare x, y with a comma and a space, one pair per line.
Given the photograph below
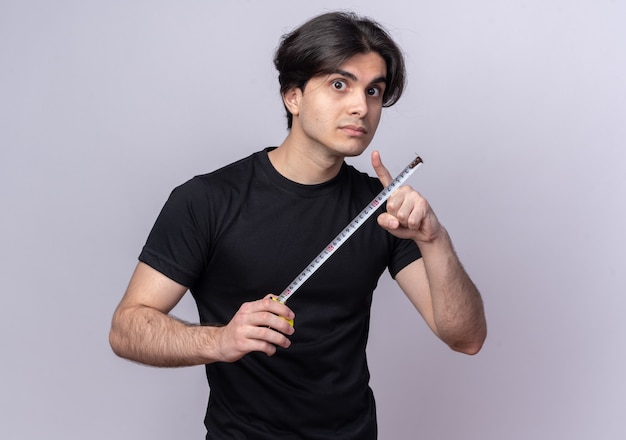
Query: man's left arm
437, 284
445, 296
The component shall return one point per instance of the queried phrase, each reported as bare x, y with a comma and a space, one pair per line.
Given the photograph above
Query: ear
291, 99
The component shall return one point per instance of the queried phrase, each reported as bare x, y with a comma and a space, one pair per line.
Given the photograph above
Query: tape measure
343, 236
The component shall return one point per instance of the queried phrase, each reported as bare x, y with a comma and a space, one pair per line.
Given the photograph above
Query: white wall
518, 109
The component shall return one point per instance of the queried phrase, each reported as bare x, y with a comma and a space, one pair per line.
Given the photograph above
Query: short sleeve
178, 244
405, 252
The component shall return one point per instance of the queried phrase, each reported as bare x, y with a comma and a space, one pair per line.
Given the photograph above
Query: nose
358, 104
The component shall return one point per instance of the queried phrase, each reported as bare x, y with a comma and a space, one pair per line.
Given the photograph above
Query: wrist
208, 343
436, 238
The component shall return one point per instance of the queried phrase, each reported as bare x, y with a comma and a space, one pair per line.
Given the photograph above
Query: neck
305, 165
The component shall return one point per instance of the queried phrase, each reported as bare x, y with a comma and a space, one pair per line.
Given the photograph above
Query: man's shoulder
242, 165
232, 174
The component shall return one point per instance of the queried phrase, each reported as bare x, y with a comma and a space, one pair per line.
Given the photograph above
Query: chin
355, 151
351, 148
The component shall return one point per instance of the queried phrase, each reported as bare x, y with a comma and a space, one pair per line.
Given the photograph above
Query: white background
518, 109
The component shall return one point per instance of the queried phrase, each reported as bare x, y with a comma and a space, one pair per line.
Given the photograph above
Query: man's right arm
142, 330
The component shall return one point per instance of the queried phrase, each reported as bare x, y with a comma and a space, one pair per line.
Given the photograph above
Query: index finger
278, 308
383, 174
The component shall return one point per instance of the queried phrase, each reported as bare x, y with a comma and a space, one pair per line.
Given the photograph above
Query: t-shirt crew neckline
299, 189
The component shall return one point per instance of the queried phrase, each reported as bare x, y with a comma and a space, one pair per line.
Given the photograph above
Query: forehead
365, 67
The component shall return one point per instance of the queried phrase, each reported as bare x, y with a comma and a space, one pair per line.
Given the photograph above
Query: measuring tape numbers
343, 236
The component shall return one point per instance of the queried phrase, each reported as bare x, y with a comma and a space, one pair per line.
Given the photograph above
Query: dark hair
324, 43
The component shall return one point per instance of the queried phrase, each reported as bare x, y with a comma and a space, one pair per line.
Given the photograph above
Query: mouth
354, 130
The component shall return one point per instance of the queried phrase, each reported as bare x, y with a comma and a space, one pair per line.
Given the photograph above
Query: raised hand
408, 214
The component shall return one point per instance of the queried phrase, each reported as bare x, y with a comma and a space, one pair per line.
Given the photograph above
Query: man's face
338, 113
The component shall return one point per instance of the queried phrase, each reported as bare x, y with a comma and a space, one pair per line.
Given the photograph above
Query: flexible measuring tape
348, 231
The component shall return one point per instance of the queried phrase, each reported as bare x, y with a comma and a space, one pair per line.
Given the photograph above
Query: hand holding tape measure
347, 232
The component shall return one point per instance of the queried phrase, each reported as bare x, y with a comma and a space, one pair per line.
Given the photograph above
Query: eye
339, 84
374, 91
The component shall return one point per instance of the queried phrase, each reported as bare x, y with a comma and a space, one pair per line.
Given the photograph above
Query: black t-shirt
243, 231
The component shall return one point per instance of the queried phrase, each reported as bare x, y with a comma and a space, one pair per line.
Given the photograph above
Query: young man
238, 235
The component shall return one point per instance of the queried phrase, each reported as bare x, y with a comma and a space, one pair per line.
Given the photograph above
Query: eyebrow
352, 76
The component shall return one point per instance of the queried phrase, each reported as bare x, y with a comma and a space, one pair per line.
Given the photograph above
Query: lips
354, 130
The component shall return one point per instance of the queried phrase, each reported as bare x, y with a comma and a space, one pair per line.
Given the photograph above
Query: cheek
320, 114
375, 118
